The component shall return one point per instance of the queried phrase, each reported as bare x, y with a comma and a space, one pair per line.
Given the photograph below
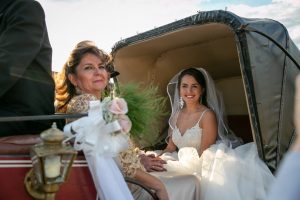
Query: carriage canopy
255, 76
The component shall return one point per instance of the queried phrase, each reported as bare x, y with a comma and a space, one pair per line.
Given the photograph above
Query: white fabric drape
96, 139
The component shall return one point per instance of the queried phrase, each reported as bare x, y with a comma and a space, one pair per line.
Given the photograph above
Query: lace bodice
191, 137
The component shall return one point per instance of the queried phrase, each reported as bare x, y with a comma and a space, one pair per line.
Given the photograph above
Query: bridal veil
214, 101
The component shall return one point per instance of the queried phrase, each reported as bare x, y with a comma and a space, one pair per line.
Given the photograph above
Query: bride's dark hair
199, 77
213, 100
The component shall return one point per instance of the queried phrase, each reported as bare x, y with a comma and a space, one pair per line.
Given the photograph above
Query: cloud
108, 21
63, 0
286, 12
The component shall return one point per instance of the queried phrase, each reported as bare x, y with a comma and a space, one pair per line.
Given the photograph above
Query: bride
207, 150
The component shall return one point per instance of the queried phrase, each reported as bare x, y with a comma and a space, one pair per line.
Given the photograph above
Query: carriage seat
18, 144
240, 125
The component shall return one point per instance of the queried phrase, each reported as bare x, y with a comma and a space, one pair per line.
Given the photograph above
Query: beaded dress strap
202, 114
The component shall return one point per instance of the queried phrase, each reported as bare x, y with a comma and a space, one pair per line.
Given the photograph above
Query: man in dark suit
26, 84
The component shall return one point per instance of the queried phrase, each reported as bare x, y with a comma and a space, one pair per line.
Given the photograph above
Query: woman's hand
153, 183
162, 193
152, 163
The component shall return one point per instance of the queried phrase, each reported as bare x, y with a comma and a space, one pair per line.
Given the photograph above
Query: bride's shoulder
208, 114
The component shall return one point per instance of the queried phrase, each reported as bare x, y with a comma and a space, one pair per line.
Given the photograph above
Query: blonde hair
64, 89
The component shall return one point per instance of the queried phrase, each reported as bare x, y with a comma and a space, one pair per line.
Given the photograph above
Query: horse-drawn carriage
252, 61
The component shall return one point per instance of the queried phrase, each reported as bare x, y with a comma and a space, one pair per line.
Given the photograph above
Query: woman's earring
181, 102
78, 90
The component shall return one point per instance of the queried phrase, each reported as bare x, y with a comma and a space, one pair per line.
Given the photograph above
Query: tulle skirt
220, 173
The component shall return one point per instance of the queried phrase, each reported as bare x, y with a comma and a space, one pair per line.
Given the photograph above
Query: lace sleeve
80, 103
130, 161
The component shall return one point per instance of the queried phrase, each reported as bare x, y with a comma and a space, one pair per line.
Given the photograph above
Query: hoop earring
181, 102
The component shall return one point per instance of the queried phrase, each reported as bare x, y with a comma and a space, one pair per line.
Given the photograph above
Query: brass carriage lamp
52, 161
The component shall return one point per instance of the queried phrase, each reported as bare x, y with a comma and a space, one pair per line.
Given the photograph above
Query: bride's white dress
220, 172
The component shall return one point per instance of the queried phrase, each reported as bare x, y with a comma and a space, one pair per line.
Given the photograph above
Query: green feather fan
146, 110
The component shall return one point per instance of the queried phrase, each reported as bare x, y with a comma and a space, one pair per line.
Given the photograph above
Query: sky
108, 21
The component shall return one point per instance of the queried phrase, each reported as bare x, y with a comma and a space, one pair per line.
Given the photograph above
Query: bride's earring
181, 102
